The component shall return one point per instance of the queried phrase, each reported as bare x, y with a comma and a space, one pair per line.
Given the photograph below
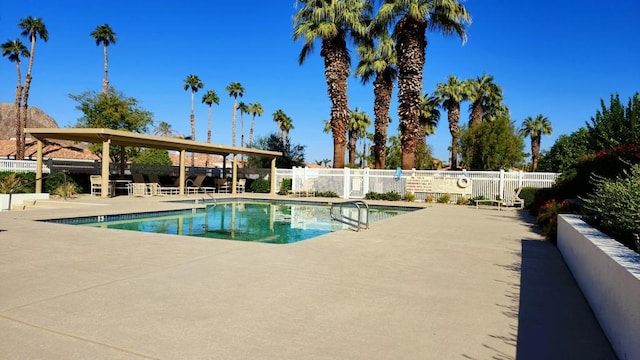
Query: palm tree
164, 129
285, 127
380, 61
32, 28
429, 116
256, 110
326, 162
414, 18
105, 36
482, 92
193, 83
535, 128
451, 94
279, 117
235, 90
244, 109
209, 98
359, 121
332, 22
15, 49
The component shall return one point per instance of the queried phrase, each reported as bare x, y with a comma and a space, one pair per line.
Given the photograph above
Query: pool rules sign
430, 184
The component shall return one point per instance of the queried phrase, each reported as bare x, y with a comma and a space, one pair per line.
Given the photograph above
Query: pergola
108, 137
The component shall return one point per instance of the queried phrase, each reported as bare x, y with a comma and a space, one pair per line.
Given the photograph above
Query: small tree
293, 155
492, 146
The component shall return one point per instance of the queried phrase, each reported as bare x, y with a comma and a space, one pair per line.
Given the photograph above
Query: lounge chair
222, 186
197, 186
306, 189
154, 182
515, 200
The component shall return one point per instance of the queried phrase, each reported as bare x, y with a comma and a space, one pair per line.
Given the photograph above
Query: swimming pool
268, 222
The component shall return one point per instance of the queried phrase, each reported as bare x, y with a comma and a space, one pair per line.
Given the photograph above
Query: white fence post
365, 182
346, 183
501, 185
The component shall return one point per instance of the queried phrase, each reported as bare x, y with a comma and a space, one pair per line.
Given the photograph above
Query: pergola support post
39, 167
272, 178
182, 172
234, 174
105, 169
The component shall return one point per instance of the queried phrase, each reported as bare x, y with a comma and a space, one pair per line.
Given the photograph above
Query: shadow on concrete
554, 319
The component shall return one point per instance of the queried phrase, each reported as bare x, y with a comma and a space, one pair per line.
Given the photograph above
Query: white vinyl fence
356, 183
21, 166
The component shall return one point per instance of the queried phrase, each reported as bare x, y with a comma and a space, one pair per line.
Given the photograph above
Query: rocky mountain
36, 118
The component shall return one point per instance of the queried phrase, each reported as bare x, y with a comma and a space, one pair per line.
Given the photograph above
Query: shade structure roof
125, 138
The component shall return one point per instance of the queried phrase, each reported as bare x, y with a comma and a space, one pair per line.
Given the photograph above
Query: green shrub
285, 186
444, 198
409, 196
54, 181
65, 190
548, 217
429, 198
461, 200
614, 206
527, 194
327, 194
260, 186
388, 196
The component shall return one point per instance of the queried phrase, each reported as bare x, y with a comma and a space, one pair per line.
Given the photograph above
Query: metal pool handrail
356, 223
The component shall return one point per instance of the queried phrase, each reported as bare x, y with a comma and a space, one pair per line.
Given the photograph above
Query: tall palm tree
235, 90
482, 92
379, 60
412, 19
280, 117
244, 109
451, 94
285, 127
164, 129
429, 116
332, 22
32, 28
193, 83
209, 98
359, 121
256, 110
535, 128
105, 36
14, 50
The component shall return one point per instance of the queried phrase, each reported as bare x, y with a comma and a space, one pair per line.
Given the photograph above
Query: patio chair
240, 185
197, 185
222, 186
515, 200
154, 182
96, 185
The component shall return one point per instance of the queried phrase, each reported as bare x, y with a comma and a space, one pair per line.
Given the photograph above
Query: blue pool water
277, 223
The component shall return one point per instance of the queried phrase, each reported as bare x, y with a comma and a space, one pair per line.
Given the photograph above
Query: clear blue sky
557, 58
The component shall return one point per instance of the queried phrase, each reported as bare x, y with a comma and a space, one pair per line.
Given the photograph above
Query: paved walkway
444, 282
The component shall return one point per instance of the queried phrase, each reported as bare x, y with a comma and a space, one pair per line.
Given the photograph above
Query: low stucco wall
609, 275
18, 199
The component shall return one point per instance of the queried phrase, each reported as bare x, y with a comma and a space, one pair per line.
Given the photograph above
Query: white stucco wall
609, 275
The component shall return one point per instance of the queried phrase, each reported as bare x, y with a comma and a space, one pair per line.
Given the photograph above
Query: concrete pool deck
444, 282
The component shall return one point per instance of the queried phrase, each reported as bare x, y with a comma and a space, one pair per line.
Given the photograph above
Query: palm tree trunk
208, 133
105, 81
453, 116
353, 138
535, 152
25, 101
410, 49
336, 63
241, 128
382, 90
253, 122
18, 108
476, 112
193, 128
233, 123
